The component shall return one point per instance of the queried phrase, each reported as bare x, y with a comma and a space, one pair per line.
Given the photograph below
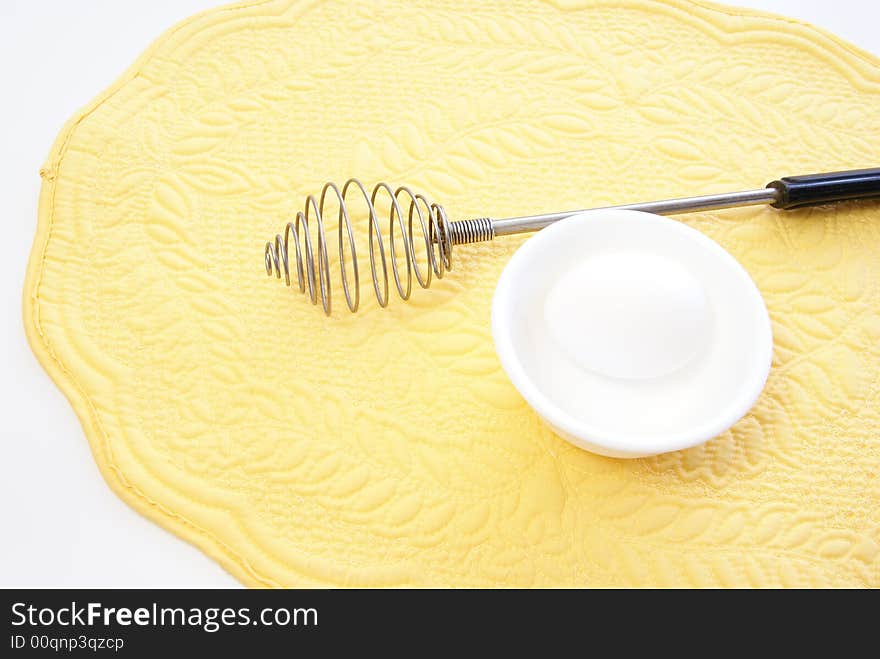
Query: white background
59, 522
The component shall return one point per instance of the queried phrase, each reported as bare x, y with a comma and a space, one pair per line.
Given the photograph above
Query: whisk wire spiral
313, 263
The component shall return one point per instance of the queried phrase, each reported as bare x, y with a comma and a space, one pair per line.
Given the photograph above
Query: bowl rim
580, 431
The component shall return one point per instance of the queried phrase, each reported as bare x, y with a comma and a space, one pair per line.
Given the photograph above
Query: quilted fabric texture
387, 448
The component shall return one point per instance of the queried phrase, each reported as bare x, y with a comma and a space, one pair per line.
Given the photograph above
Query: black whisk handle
816, 189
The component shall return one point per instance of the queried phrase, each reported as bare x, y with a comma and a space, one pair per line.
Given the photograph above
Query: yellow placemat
387, 448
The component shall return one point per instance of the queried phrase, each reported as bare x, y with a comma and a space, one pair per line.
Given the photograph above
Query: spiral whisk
412, 215
423, 220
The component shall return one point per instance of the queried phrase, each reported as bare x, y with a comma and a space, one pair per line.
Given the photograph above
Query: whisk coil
313, 263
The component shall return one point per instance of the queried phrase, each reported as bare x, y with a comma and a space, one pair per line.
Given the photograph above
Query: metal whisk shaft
422, 220
426, 221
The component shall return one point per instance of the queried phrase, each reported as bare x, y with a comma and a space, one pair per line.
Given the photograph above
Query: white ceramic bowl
631, 334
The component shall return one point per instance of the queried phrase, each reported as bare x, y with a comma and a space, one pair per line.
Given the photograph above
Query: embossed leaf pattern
388, 448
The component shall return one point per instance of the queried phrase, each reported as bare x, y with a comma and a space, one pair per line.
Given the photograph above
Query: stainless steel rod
311, 266
529, 223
